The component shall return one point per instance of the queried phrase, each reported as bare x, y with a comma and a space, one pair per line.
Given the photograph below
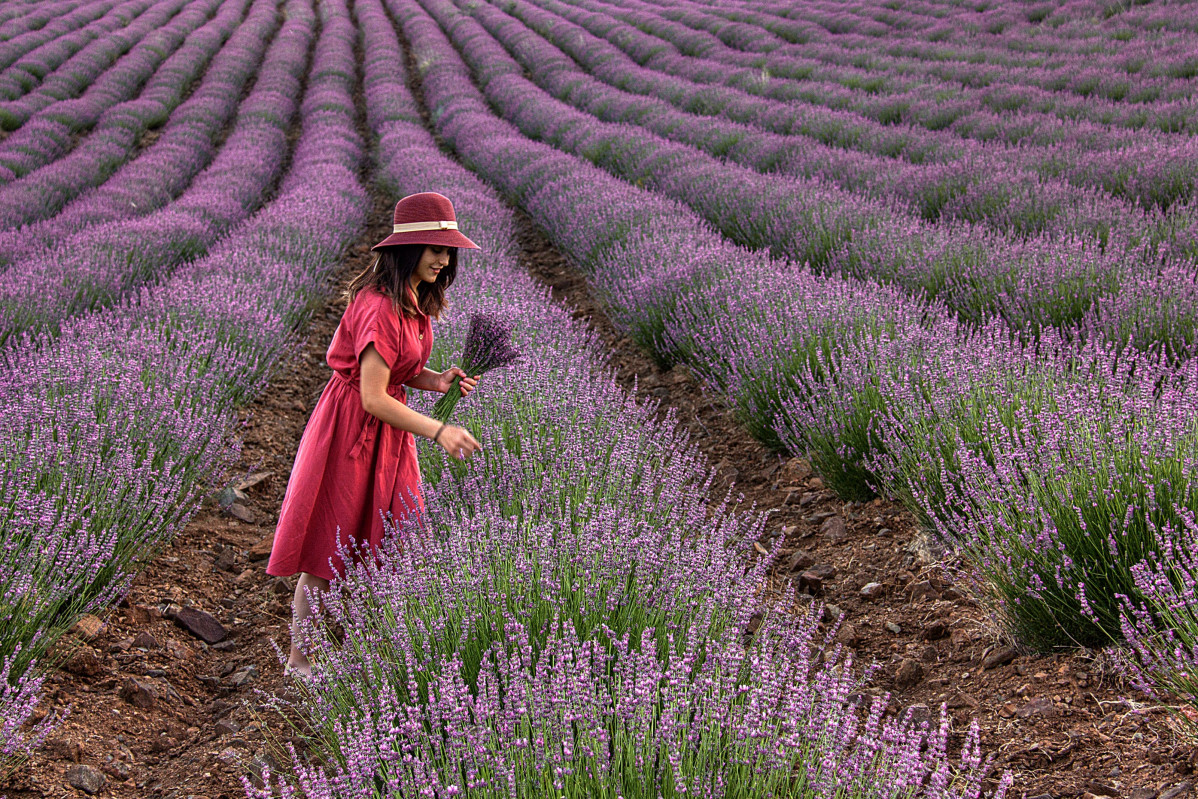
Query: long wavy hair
390, 271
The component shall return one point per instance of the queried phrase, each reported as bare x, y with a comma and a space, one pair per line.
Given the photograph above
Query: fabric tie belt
370, 430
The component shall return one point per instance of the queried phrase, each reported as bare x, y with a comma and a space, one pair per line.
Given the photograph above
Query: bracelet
439, 429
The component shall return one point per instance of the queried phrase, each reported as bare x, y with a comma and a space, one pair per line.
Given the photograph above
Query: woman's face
434, 259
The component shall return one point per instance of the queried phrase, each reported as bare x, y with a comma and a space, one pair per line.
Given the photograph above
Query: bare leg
297, 661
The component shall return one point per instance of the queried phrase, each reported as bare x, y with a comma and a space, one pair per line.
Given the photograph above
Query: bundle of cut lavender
488, 346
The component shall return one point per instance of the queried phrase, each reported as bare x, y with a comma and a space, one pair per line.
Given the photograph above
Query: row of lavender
105, 261
1085, 154
95, 485
1049, 281
978, 186
1107, 72
184, 146
93, 68
43, 191
568, 620
1065, 472
1093, 71
55, 24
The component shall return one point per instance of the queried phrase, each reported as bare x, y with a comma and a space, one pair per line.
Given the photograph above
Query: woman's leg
297, 661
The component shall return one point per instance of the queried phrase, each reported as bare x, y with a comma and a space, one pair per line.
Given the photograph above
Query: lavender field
946, 253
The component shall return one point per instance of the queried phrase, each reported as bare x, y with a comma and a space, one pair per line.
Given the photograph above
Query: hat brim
444, 238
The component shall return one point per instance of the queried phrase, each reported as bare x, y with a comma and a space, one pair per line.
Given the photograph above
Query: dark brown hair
390, 271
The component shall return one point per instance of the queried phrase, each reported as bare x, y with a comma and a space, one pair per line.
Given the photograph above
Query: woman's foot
298, 671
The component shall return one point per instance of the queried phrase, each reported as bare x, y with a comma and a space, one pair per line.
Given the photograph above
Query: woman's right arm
456, 441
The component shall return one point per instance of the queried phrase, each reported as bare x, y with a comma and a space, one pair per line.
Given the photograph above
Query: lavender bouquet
488, 346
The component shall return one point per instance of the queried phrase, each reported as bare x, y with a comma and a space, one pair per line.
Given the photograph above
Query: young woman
357, 457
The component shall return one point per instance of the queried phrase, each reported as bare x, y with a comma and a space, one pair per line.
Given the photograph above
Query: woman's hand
457, 442
445, 380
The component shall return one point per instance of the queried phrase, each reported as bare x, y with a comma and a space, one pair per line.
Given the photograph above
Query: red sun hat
425, 218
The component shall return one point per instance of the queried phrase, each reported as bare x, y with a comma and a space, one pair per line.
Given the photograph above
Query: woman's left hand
445, 380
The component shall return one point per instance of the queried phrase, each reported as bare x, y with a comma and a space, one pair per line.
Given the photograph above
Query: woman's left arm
428, 380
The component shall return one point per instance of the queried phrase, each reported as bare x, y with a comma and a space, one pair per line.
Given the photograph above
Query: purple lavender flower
488, 346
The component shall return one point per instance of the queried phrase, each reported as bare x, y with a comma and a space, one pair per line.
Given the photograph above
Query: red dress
350, 465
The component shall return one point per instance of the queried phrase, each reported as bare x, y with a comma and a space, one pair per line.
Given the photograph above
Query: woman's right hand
457, 442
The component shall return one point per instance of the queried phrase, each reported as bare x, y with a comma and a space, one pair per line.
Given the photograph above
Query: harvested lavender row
868, 421
73, 75
45, 136
103, 263
61, 29
1136, 84
1150, 169
1012, 201
1033, 284
185, 146
537, 557
218, 331
44, 191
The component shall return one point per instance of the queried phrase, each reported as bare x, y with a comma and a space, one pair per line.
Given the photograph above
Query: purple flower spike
488, 346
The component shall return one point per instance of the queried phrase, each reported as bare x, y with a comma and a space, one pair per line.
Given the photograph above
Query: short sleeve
376, 323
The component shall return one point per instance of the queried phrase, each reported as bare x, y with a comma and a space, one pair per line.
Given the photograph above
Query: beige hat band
412, 227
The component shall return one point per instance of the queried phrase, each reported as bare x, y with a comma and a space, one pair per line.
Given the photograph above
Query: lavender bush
19, 734
82, 513
567, 616
43, 191
98, 266
184, 147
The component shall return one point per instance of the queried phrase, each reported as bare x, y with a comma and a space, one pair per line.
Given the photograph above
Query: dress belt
371, 428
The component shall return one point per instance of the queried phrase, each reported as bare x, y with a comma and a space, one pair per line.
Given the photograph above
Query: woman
357, 457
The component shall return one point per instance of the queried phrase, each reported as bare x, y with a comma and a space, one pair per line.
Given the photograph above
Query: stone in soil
138, 693
85, 662
1037, 706
240, 511
909, 673
873, 590
813, 579
86, 779
87, 627
200, 624
243, 675
795, 470
1176, 792
1000, 657
65, 749
144, 640
834, 529
800, 560
261, 550
257, 477
934, 630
